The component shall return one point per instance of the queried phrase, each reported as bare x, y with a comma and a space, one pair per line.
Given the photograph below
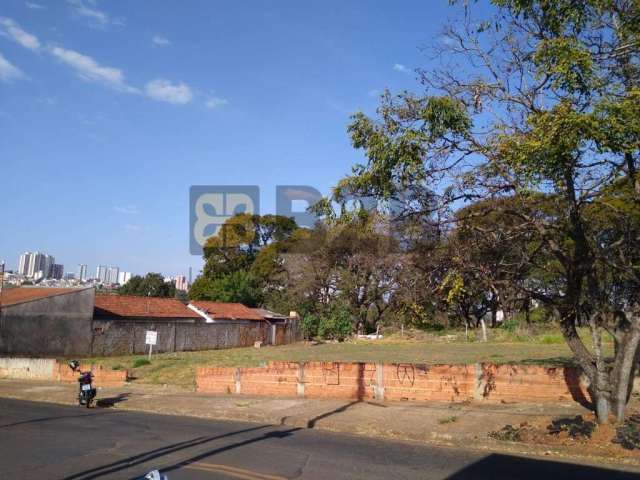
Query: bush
628, 434
336, 324
140, 362
511, 325
309, 325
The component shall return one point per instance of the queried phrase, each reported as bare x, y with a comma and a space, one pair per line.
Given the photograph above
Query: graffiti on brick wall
370, 374
450, 381
406, 374
331, 373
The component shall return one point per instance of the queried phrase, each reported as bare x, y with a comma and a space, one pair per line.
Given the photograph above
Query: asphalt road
46, 441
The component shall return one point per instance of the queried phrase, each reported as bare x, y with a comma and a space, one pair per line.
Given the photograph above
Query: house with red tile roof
77, 322
142, 308
216, 311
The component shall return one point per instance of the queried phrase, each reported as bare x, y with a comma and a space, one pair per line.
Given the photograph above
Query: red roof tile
232, 311
12, 296
143, 307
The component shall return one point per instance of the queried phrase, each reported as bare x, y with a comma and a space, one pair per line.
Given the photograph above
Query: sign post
151, 340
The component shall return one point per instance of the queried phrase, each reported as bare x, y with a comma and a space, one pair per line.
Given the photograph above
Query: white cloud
398, 67
160, 41
9, 72
215, 102
34, 6
97, 17
12, 30
127, 209
165, 91
88, 69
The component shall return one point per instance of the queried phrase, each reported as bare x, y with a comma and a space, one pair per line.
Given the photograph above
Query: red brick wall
445, 383
359, 381
518, 383
353, 381
101, 376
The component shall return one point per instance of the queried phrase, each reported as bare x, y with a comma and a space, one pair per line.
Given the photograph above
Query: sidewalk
457, 425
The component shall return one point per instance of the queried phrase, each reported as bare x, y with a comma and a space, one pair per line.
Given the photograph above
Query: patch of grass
445, 420
551, 339
117, 367
140, 362
179, 368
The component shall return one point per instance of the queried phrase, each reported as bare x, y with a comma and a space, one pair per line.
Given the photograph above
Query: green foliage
151, 285
511, 325
309, 324
140, 362
243, 262
336, 323
239, 286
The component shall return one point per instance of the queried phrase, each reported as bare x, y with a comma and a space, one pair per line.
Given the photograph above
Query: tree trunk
603, 406
484, 329
494, 314
624, 371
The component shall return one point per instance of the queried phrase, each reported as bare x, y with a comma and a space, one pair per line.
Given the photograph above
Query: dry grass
179, 368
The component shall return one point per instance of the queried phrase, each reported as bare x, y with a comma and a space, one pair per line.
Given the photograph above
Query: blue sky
111, 110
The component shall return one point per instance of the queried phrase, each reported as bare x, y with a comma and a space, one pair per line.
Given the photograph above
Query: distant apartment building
124, 277
23, 263
36, 265
181, 283
101, 274
57, 271
82, 272
112, 274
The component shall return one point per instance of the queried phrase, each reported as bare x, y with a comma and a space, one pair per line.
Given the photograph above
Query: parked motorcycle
86, 392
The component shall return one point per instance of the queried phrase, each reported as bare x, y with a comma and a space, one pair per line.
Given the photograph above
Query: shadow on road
134, 460
497, 466
51, 419
111, 401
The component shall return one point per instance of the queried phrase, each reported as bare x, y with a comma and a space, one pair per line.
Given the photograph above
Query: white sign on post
151, 339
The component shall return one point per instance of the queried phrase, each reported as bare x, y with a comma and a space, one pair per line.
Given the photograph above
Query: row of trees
511, 177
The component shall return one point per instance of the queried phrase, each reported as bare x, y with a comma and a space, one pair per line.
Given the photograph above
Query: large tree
242, 262
151, 285
541, 100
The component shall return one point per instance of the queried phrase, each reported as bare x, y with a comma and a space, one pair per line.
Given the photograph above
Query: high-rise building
112, 274
57, 271
82, 272
181, 283
33, 262
23, 263
124, 277
101, 274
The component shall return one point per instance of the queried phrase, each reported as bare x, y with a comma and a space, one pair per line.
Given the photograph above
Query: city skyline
31, 262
